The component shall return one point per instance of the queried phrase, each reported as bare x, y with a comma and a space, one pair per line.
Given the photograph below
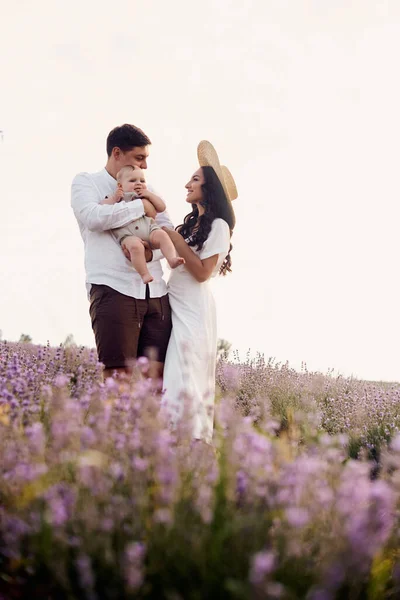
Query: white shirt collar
109, 177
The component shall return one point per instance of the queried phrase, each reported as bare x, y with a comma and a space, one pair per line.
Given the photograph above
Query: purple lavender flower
134, 558
36, 437
262, 565
86, 576
297, 517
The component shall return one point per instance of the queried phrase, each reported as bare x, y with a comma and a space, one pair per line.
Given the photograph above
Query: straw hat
208, 157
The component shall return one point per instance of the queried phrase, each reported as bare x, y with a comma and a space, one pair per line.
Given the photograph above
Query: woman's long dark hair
216, 206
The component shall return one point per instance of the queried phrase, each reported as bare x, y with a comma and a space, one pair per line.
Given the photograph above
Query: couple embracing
126, 230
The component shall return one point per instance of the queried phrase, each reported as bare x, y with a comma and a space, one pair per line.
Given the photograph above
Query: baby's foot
147, 278
175, 262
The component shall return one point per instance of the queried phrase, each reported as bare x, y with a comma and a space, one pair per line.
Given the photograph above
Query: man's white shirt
105, 262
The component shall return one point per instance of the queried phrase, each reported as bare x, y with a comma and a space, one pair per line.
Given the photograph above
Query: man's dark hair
126, 137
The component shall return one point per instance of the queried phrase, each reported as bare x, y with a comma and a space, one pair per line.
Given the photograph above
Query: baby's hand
119, 193
116, 197
143, 193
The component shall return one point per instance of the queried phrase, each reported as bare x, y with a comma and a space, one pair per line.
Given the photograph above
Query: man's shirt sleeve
163, 220
100, 217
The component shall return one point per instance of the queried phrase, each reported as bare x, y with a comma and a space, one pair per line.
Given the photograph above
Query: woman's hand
173, 234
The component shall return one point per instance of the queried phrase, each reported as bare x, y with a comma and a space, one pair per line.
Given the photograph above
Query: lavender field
298, 499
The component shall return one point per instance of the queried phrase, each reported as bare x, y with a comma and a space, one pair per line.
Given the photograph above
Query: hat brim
229, 183
208, 157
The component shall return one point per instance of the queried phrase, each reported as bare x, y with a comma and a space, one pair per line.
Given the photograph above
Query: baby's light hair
125, 169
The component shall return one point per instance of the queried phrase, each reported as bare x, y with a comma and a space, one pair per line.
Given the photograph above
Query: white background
300, 98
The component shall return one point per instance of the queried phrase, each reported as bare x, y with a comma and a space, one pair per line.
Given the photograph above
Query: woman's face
195, 194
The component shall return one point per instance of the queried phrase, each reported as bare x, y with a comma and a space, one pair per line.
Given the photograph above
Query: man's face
137, 157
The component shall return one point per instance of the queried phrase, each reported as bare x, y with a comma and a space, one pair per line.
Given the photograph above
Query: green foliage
223, 349
25, 338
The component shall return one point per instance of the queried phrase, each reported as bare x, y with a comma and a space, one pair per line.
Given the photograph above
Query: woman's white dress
189, 372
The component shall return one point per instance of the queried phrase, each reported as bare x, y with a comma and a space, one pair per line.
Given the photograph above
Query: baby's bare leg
136, 251
160, 239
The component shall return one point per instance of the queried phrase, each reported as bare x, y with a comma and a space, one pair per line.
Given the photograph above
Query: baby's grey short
141, 228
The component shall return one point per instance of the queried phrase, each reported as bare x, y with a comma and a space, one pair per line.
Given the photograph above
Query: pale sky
301, 100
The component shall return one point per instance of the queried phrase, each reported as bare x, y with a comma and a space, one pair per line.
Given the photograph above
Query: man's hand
148, 252
125, 251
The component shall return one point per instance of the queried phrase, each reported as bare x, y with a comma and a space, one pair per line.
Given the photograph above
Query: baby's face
133, 181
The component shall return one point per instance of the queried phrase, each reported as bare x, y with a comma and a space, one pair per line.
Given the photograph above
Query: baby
132, 184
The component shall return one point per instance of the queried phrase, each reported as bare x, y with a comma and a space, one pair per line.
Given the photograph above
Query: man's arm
163, 220
118, 195
100, 217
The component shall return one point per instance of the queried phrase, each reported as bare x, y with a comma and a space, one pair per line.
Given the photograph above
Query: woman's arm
200, 269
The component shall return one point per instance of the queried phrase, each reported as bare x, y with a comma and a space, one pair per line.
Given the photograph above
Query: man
129, 318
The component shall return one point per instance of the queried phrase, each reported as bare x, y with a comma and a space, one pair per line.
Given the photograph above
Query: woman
203, 240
